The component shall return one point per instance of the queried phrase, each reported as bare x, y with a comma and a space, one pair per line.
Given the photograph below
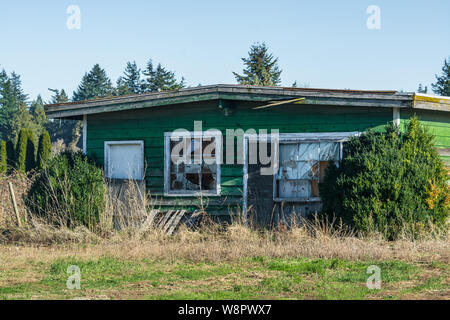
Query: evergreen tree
12, 105
17, 90
3, 158
21, 151
131, 82
122, 88
160, 79
442, 85
95, 84
10, 153
44, 149
30, 162
59, 96
24, 119
422, 89
39, 118
261, 67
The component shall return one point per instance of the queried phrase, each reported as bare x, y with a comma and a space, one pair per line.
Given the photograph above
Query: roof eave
431, 102
247, 93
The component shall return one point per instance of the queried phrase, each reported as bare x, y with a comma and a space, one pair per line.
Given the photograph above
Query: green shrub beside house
69, 191
390, 183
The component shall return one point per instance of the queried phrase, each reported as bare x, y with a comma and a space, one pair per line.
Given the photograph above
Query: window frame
107, 157
167, 159
300, 141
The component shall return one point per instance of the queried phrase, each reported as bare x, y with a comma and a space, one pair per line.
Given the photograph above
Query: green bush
390, 183
30, 158
3, 158
21, 151
70, 190
10, 153
25, 151
44, 149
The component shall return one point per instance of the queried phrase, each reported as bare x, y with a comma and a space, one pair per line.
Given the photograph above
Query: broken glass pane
190, 172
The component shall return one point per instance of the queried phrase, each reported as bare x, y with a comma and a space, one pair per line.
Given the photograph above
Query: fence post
13, 198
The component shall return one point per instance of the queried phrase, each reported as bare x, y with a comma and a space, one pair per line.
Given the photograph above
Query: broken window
192, 164
302, 168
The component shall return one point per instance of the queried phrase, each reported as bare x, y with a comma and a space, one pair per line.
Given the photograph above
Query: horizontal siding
438, 123
151, 124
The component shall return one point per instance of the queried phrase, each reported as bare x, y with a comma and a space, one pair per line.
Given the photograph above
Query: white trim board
85, 124
396, 116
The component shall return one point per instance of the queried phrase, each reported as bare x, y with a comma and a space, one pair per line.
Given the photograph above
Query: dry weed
127, 230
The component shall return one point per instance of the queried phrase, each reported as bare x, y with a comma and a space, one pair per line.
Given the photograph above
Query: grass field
41, 273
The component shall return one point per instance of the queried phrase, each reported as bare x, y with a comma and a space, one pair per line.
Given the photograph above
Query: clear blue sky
322, 43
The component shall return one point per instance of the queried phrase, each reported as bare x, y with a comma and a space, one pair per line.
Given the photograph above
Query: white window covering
124, 160
302, 166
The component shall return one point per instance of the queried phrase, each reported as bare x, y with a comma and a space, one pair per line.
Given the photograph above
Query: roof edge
380, 98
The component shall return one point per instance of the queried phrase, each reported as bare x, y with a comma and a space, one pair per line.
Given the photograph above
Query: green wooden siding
438, 124
149, 125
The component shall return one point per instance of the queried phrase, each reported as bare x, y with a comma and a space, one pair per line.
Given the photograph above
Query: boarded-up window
124, 160
192, 165
302, 168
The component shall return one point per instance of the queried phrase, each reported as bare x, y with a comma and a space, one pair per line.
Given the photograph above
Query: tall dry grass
127, 230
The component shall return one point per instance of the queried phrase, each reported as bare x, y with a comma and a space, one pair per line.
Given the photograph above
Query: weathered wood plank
175, 223
165, 219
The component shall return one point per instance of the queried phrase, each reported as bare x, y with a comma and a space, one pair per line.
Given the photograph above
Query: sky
320, 44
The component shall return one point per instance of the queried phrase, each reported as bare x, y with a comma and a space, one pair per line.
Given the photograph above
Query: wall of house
437, 122
151, 123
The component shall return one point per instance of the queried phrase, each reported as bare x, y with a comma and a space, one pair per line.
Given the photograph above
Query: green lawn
252, 278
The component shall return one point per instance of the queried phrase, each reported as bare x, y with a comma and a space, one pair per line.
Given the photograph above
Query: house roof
331, 97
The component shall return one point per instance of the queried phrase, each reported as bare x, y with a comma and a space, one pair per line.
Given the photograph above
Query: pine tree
160, 79
442, 85
261, 67
30, 162
21, 151
95, 84
131, 82
39, 118
44, 149
59, 96
10, 153
3, 158
422, 89
24, 119
122, 88
12, 102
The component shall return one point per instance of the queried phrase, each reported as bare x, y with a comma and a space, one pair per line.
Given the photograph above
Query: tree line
24, 123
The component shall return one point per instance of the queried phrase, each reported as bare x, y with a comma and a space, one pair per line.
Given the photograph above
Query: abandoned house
131, 137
